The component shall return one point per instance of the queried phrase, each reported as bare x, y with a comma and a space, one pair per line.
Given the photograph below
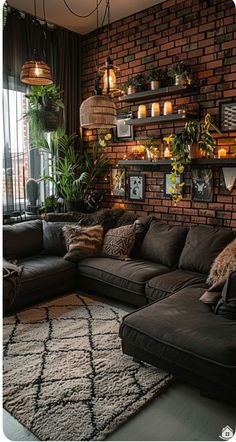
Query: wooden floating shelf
161, 119
166, 162
161, 92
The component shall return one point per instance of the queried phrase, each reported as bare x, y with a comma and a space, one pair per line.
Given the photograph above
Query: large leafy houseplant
73, 173
194, 132
43, 112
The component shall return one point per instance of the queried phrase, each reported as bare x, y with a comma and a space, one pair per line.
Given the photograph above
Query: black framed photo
227, 175
118, 182
123, 131
136, 186
228, 117
202, 185
168, 183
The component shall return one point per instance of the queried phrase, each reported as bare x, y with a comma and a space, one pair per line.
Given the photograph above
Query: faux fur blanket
223, 265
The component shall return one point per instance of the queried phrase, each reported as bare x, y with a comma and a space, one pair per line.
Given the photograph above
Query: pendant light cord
82, 16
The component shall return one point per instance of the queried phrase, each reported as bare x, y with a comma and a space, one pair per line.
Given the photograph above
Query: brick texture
204, 34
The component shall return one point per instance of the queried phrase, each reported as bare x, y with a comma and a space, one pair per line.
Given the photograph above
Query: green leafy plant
193, 132
42, 100
50, 201
180, 68
156, 75
129, 83
74, 173
149, 145
140, 81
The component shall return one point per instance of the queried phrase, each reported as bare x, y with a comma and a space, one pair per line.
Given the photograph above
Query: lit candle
222, 152
167, 108
155, 112
167, 153
142, 111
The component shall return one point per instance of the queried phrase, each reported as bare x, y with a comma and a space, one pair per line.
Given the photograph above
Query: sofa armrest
11, 283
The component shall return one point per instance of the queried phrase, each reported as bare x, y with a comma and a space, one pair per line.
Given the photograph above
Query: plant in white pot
155, 78
181, 74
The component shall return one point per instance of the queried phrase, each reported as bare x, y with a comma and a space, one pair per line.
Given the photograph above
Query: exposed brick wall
204, 34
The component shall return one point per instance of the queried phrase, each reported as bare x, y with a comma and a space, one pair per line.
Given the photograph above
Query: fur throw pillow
82, 242
223, 265
118, 242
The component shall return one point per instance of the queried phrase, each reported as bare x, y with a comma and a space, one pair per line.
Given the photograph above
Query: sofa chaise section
182, 335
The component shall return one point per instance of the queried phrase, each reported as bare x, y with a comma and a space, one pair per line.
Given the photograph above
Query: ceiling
57, 13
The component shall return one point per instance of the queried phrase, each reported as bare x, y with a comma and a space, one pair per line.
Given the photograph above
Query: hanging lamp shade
36, 73
98, 112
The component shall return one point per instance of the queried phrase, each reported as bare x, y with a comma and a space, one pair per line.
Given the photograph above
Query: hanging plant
43, 114
194, 132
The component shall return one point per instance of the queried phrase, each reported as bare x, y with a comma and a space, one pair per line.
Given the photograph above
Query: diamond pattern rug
65, 377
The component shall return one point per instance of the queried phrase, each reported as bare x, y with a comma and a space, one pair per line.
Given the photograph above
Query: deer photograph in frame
228, 116
136, 186
202, 185
123, 131
117, 182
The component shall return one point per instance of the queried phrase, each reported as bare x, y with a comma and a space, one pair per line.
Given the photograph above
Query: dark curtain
61, 50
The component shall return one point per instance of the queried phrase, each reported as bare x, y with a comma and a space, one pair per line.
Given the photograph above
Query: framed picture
136, 186
123, 131
232, 181
228, 117
118, 182
202, 185
168, 183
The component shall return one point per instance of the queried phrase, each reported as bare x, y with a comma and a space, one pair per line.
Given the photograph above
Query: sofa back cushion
22, 240
163, 243
203, 244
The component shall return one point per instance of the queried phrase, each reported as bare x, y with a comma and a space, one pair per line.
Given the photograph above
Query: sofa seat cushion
40, 274
165, 285
129, 275
182, 330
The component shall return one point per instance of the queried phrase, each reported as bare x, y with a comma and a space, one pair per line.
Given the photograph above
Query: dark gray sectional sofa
166, 277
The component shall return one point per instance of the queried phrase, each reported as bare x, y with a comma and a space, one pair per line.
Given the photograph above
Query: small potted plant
140, 82
181, 73
50, 202
155, 78
129, 86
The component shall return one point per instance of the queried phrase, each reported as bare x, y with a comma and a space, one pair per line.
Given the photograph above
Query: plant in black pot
155, 78
140, 82
43, 113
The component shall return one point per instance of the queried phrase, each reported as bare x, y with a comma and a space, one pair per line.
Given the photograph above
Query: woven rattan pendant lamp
36, 72
98, 111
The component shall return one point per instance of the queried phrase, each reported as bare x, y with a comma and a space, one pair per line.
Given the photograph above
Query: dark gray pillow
226, 306
54, 242
23, 239
163, 243
203, 244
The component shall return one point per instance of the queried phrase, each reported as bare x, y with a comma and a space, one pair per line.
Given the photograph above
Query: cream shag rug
65, 377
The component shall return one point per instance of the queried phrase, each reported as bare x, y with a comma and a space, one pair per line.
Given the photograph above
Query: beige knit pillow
118, 242
223, 265
82, 242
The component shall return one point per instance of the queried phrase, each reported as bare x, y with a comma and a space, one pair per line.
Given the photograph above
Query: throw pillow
223, 265
118, 242
82, 242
